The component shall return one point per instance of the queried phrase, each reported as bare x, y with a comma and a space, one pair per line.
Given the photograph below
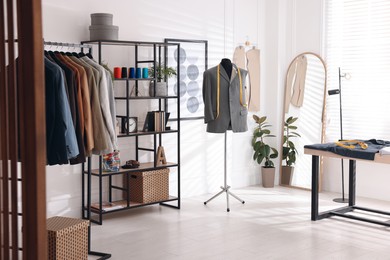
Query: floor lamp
338, 92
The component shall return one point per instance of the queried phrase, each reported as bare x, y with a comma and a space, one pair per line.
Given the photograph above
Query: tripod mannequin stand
225, 188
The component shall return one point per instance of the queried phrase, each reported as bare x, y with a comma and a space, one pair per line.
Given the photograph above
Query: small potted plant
263, 151
162, 73
289, 150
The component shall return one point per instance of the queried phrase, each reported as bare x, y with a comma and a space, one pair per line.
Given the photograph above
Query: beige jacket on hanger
250, 60
299, 81
239, 57
253, 59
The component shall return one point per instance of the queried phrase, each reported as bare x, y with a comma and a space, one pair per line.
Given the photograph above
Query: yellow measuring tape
350, 144
219, 88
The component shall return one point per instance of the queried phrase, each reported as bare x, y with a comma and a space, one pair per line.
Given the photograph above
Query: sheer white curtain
358, 41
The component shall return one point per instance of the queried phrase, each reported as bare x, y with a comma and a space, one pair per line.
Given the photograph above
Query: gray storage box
103, 32
101, 19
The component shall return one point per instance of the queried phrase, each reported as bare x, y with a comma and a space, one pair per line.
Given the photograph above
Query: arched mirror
303, 121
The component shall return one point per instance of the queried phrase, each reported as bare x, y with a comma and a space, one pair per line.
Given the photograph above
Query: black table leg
314, 187
352, 183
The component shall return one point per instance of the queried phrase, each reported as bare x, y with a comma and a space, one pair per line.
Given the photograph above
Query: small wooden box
149, 186
67, 238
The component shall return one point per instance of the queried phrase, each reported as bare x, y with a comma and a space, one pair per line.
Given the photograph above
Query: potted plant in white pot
289, 150
263, 151
162, 73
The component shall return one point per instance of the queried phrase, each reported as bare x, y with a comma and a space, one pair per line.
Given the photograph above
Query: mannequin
224, 98
225, 108
228, 66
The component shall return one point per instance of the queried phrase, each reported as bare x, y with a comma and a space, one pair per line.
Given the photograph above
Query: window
358, 41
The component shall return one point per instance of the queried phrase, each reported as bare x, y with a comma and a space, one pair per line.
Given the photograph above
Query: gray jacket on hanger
232, 112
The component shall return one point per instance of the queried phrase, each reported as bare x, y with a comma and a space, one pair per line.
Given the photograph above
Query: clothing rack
69, 45
82, 47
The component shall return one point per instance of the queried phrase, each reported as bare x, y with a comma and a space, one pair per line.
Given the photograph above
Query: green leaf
269, 164
267, 150
270, 136
284, 139
266, 131
259, 134
291, 120
262, 119
295, 133
260, 159
256, 118
291, 145
292, 127
275, 152
285, 152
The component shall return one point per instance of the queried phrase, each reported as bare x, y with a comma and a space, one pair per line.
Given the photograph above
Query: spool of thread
117, 73
145, 73
131, 73
138, 74
124, 73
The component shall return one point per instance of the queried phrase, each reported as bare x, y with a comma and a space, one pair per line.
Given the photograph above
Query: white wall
305, 33
224, 23
281, 29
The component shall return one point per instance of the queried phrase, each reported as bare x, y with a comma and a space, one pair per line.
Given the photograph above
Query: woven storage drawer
67, 238
149, 186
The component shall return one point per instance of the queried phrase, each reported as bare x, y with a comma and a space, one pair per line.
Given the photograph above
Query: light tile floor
272, 224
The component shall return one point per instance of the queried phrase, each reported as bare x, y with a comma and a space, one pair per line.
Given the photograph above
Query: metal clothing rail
67, 45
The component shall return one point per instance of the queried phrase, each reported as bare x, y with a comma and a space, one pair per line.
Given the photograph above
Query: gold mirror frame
322, 121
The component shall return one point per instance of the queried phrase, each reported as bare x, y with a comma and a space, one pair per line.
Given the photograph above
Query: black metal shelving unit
94, 214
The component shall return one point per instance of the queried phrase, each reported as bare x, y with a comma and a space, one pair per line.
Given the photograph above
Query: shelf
144, 98
146, 133
131, 43
122, 205
145, 61
143, 167
146, 79
157, 52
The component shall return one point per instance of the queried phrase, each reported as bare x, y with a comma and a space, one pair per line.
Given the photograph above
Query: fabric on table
374, 146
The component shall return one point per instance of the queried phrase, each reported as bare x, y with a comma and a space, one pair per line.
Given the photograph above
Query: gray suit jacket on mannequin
232, 114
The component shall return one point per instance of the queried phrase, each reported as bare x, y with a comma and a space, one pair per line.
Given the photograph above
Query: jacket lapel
223, 73
234, 73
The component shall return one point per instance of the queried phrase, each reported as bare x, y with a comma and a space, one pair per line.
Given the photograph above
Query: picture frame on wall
193, 60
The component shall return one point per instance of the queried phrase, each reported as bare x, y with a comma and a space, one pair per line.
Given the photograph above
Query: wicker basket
67, 238
149, 186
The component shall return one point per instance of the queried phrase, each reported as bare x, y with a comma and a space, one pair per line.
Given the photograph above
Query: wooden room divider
22, 132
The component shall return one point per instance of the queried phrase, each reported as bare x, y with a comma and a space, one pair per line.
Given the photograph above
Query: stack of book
156, 121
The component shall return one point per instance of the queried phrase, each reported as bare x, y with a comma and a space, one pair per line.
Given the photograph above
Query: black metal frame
169, 40
342, 211
86, 208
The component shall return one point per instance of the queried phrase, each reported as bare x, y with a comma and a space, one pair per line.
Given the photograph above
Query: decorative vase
268, 177
161, 89
287, 175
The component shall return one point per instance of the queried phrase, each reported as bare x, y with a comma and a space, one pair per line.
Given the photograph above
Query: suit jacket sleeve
207, 98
